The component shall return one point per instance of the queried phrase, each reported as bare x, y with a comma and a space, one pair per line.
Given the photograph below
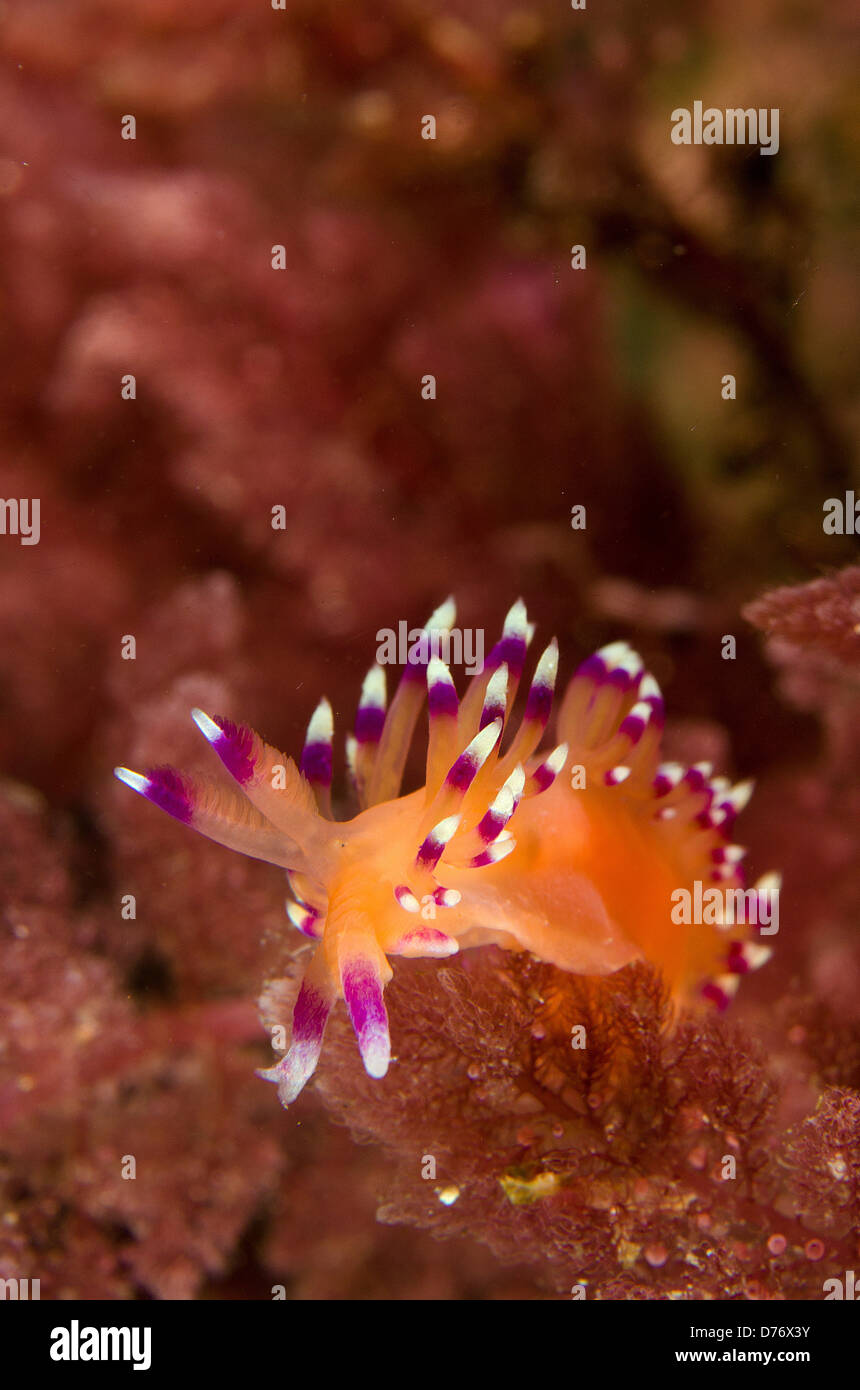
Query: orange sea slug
573, 854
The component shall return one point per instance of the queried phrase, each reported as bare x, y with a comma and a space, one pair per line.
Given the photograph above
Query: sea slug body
575, 853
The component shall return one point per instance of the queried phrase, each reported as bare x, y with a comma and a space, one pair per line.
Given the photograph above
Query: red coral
823, 616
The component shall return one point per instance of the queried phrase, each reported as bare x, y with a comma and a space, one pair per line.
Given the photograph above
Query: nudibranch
573, 854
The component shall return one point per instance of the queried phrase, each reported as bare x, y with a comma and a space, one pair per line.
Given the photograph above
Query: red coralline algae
820, 618
578, 1204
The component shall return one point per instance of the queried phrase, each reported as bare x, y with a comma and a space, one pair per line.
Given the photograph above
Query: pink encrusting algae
574, 854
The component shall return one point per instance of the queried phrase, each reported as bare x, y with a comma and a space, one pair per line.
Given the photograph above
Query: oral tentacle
316, 997
362, 982
270, 780
219, 813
